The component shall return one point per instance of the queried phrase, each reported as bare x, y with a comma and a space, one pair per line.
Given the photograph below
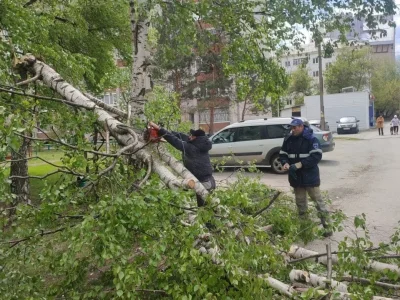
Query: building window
315, 73
287, 63
327, 65
289, 102
385, 48
315, 60
191, 117
220, 115
299, 61
110, 98
379, 49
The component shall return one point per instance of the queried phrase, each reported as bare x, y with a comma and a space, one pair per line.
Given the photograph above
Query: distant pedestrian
391, 128
395, 123
379, 124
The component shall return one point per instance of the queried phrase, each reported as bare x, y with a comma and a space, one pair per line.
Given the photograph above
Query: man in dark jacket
195, 155
300, 155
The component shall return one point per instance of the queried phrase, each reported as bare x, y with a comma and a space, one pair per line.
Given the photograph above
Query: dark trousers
210, 186
396, 129
380, 131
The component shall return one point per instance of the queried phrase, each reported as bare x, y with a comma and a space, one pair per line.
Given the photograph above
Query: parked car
259, 142
317, 123
347, 125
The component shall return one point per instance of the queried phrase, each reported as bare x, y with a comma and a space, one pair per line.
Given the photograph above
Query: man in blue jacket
300, 155
195, 155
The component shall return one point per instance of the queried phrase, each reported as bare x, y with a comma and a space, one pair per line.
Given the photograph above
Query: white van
258, 142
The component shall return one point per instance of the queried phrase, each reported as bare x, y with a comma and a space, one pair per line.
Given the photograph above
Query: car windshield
347, 120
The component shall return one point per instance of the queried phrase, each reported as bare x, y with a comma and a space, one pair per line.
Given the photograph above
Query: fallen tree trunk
299, 252
315, 280
123, 134
339, 295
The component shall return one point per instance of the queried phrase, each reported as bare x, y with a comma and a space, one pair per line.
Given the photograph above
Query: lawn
38, 167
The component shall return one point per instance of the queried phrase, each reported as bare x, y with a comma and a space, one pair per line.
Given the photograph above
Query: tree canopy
385, 83
352, 67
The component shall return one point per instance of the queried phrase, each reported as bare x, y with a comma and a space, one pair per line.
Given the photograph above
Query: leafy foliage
385, 87
351, 68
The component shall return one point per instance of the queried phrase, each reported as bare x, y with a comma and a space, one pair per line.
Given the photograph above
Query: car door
275, 135
249, 142
222, 148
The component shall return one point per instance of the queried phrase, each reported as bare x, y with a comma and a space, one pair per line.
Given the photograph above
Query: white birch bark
141, 79
52, 79
299, 252
315, 280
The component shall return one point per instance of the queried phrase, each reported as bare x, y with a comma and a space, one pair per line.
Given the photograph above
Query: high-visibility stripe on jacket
307, 150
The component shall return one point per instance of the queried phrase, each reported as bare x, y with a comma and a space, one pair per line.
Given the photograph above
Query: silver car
258, 142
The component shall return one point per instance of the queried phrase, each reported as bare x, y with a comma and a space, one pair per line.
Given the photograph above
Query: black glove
292, 171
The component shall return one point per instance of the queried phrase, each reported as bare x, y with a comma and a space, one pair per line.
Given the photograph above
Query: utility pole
321, 87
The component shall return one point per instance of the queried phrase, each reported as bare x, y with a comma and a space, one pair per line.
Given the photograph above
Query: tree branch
31, 2
367, 281
40, 97
47, 175
25, 82
269, 204
107, 107
43, 233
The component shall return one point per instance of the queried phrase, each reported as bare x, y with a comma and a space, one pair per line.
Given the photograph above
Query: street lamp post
321, 87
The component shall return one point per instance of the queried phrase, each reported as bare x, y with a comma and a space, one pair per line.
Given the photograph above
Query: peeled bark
298, 252
124, 135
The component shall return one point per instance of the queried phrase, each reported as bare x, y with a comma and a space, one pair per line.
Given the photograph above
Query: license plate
346, 128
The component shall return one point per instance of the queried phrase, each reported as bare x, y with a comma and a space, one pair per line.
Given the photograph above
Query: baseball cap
197, 132
296, 122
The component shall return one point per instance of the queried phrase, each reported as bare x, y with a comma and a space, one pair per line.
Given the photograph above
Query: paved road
360, 176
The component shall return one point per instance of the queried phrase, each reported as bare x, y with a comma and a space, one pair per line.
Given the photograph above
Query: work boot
327, 228
303, 215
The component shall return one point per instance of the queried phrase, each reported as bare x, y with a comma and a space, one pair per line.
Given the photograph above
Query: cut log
279, 286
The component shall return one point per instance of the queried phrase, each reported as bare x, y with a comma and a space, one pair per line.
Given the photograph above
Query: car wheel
276, 165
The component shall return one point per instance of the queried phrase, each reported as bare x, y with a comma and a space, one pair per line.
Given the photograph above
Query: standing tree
300, 84
385, 83
352, 68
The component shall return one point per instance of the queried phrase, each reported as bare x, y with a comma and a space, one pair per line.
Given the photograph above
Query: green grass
37, 167
38, 184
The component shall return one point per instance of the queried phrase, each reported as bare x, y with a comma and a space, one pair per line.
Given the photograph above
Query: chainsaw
151, 135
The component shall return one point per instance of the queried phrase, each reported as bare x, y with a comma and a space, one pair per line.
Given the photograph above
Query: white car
259, 142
